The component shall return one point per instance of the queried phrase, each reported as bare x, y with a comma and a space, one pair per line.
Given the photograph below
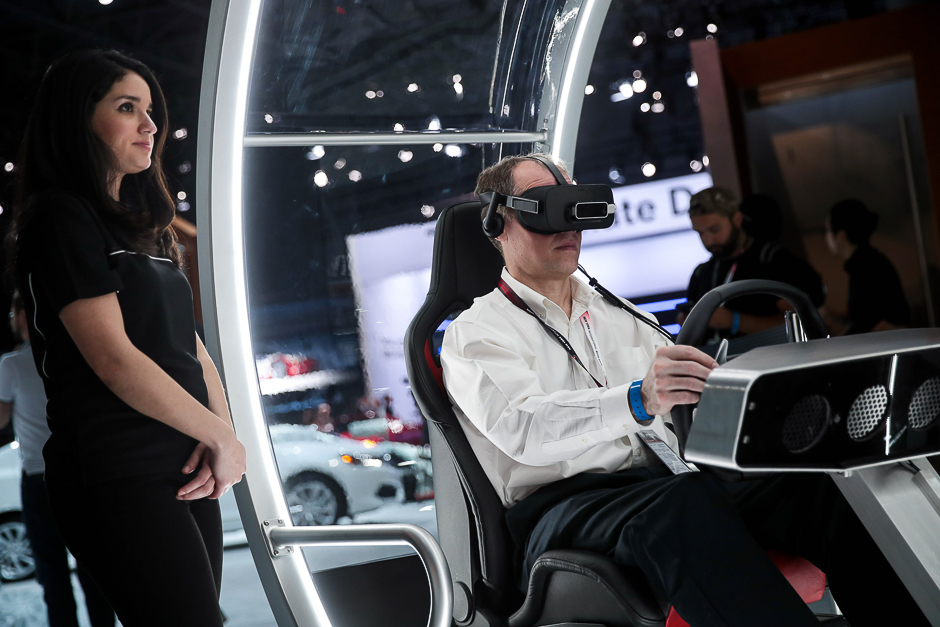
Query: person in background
742, 248
876, 298
23, 400
141, 443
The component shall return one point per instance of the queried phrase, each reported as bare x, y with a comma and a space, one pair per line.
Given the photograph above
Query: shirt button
584, 440
542, 316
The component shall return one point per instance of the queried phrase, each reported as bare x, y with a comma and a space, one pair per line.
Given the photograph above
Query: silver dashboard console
829, 405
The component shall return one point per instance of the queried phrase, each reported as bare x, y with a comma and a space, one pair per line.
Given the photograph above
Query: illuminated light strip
888, 441
574, 79
233, 29
265, 140
662, 305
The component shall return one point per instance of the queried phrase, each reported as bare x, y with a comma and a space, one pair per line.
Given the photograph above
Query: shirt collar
582, 295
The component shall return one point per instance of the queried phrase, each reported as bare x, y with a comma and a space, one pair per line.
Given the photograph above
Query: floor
243, 600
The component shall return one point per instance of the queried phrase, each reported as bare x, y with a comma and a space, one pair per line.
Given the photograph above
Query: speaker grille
925, 405
866, 412
806, 423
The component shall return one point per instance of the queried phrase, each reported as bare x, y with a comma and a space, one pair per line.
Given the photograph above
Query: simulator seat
565, 586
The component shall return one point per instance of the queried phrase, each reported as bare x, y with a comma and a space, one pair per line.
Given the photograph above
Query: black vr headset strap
548, 163
493, 223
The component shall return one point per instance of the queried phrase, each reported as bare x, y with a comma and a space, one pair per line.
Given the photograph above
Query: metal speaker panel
925, 405
866, 412
806, 424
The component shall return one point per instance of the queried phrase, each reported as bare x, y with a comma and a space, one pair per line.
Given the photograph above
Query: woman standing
876, 298
142, 444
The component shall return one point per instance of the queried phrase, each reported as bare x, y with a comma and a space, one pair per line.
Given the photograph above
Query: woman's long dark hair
61, 152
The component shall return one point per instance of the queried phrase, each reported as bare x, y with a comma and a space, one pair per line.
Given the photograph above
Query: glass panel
811, 153
372, 65
338, 251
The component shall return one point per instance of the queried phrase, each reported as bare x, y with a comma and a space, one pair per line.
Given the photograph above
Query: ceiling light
457, 78
648, 169
268, 118
639, 40
427, 211
340, 164
588, 90
412, 88
696, 165
370, 94
380, 93
8, 166
691, 79
705, 160
320, 178
453, 150
438, 147
657, 95
658, 107
434, 124
639, 85
355, 176
680, 31
405, 155
180, 133
712, 28
458, 87
645, 107
399, 127
637, 73
181, 195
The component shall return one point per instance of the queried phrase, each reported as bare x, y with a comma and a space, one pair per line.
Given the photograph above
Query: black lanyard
521, 304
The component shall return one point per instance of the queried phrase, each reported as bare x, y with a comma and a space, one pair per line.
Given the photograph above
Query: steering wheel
696, 325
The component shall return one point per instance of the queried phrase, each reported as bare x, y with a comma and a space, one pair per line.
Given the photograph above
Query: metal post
897, 507
282, 539
915, 211
795, 332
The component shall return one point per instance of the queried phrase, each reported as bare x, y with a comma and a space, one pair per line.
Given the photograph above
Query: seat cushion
580, 586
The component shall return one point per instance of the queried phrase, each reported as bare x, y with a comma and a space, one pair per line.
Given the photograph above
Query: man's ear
737, 219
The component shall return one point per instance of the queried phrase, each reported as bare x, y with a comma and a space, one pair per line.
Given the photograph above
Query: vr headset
552, 208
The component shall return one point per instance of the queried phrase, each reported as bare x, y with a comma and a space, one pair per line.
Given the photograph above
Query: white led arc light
574, 78
229, 55
233, 30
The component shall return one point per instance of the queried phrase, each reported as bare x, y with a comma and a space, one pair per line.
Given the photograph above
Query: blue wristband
735, 322
636, 402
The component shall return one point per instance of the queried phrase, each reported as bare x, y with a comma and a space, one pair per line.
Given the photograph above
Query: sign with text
650, 209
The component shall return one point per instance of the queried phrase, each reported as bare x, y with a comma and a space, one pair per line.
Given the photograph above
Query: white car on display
327, 477
16, 557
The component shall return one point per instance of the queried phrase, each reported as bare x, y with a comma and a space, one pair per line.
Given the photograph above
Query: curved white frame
222, 274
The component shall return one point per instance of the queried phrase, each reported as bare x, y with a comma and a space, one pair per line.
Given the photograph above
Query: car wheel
314, 500
16, 555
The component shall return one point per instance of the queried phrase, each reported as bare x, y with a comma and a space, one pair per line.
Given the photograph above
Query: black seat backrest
471, 524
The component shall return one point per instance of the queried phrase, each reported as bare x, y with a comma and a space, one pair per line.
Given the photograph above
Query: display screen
590, 210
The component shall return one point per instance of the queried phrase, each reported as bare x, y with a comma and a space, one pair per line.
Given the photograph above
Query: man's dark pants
52, 566
699, 540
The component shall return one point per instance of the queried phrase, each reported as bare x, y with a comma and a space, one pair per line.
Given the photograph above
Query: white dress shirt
532, 415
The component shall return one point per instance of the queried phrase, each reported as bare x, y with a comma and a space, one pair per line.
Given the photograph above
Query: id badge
668, 456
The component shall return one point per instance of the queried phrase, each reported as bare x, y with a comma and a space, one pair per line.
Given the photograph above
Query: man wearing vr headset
555, 382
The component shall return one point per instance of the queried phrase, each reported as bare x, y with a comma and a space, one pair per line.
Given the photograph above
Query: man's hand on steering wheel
676, 377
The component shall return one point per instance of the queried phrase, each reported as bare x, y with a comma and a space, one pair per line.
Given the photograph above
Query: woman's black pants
700, 541
157, 560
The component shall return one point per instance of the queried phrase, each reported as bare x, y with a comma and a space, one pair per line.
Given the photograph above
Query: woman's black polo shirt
66, 254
